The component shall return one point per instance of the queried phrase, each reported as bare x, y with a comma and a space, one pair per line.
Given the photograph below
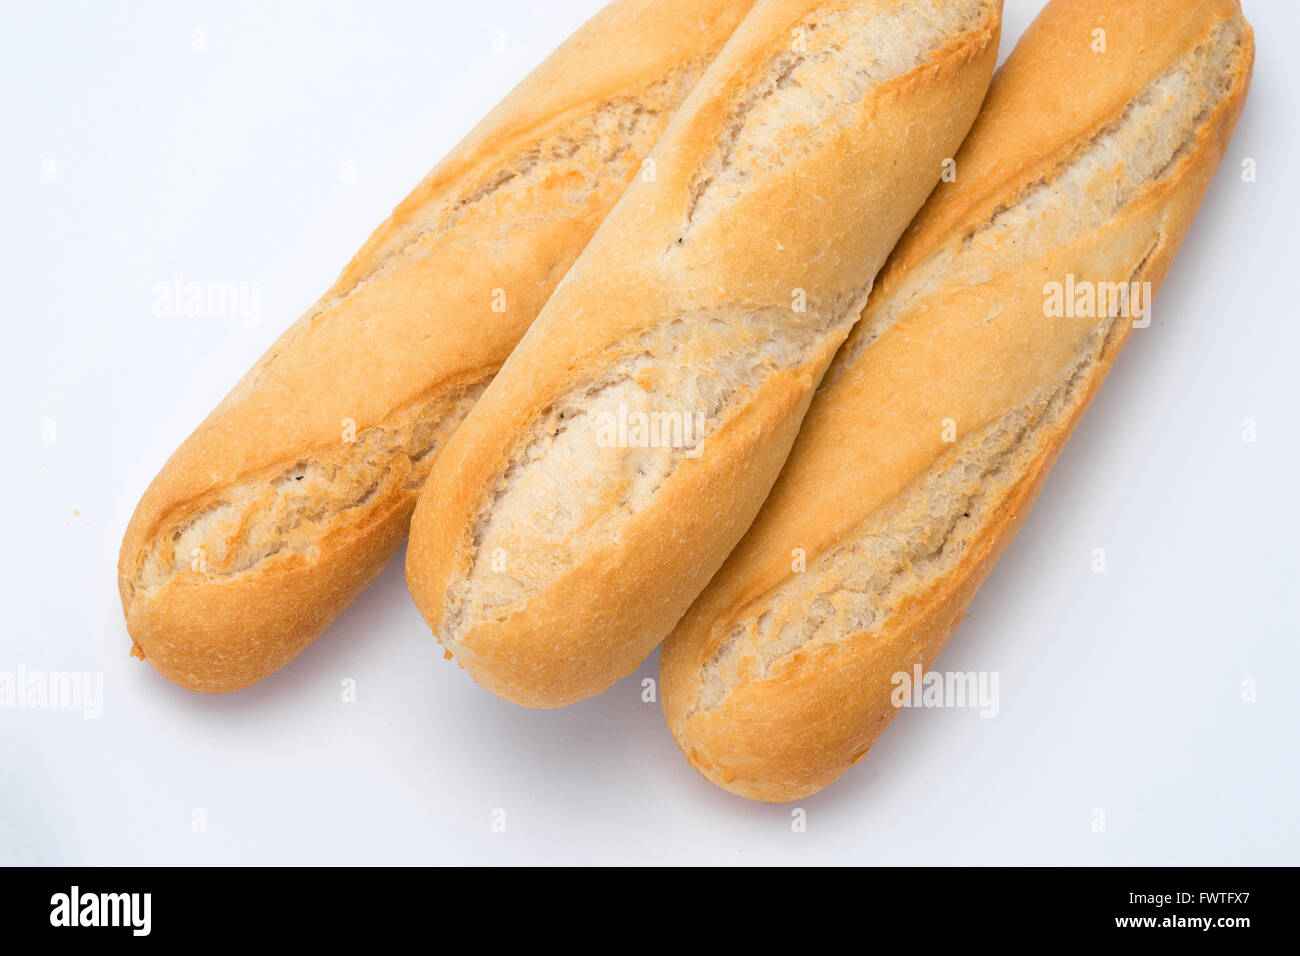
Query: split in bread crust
550, 562
780, 676
292, 495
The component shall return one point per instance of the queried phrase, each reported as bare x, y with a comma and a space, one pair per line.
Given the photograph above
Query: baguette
1083, 167
293, 494
559, 538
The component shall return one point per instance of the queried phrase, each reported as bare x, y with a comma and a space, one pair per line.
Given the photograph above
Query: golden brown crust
823, 224
966, 353
410, 319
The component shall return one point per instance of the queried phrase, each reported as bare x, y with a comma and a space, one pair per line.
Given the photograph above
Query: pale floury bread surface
877, 533
629, 440
291, 496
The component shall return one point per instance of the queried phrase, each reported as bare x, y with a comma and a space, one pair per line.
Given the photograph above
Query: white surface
1119, 691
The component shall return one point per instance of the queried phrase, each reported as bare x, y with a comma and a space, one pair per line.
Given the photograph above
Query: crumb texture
852, 588
556, 175
572, 484
563, 492
295, 505
837, 57
583, 157
893, 557
1105, 174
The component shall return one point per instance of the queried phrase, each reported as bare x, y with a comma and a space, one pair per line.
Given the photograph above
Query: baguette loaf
1083, 171
630, 439
291, 496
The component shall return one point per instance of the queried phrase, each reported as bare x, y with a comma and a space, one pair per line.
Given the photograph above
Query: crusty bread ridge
293, 493
551, 557
1082, 163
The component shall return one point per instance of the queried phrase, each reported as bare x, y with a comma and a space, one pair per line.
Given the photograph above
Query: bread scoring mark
854, 587
560, 494
587, 154
599, 149
807, 93
1156, 131
897, 553
851, 590
294, 507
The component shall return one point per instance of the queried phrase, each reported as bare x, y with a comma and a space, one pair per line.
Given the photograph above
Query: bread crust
872, 435
409, 322
824, 223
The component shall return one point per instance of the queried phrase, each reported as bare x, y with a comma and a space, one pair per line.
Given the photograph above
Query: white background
268, 157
